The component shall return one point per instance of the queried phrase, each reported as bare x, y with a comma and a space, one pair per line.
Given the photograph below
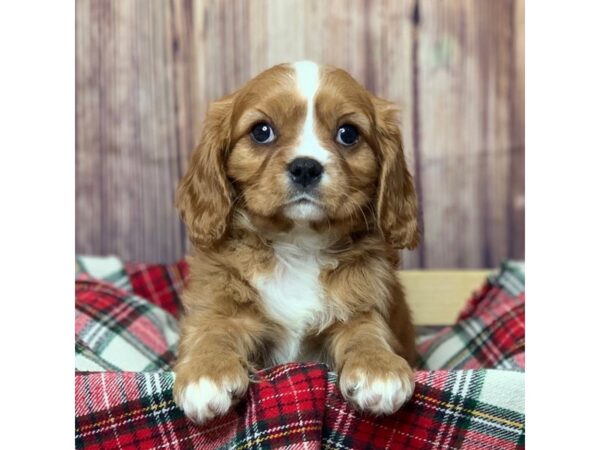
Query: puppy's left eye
262, 133
347, 135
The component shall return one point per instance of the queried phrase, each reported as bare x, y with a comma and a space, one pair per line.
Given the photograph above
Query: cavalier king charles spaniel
296, 201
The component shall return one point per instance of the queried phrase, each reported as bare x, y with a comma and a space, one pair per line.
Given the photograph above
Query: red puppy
296, 201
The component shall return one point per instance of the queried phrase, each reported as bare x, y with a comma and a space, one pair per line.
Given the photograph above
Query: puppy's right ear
204, 195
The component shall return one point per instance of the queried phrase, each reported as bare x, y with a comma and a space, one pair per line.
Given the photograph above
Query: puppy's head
300, 143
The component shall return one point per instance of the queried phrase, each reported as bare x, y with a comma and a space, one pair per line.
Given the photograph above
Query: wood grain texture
147, 69
465, 59
130, 117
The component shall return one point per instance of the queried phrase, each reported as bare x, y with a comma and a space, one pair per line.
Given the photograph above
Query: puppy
296, 201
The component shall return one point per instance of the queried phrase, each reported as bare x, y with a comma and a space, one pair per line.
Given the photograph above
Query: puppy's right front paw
206, 398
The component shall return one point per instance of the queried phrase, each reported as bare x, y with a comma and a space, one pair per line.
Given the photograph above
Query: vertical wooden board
186, 23
498, 56
257, 22
120, 192
439, 65
88, 207
464, 69
135, 157
344, 37
156, 141
516, 207
222, 45
285, 22
277, 32
315, 24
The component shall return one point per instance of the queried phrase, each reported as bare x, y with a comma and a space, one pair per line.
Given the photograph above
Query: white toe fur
379, 395
204, 400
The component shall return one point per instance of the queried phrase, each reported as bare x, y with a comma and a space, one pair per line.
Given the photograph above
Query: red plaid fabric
291, 405
159, 284
120, 405
285, 407
116, 331
490, 331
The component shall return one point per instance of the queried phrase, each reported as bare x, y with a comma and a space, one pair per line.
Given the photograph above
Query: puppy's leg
211, 373
372, 375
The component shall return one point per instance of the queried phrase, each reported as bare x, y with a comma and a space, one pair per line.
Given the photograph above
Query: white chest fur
293, 296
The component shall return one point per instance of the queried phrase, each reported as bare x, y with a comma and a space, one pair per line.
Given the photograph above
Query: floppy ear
397, 206
204, 195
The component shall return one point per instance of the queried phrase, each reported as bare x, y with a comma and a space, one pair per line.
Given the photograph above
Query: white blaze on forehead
307, 80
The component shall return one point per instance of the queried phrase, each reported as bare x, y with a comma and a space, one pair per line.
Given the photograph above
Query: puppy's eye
347, 135
262, 133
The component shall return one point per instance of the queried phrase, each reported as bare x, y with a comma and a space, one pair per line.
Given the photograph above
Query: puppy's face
300, 143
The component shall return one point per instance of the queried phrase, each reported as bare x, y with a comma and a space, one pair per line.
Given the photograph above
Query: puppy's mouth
304, 207
305, 199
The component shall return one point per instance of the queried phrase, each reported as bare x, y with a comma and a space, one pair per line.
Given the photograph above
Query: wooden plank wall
146, 70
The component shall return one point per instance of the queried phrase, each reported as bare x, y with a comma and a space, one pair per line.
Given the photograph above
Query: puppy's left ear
397, 206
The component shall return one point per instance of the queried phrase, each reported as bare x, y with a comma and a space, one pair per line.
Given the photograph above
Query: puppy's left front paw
377, 385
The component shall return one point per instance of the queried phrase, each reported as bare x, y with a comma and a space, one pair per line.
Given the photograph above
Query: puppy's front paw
379, 385
205, 394
205, 399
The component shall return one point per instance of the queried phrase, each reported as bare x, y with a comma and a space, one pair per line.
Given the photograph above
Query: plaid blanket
469, 393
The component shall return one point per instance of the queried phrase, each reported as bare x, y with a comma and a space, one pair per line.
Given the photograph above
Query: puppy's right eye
262, 133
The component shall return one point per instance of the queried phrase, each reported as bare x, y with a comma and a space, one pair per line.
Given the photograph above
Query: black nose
305, 171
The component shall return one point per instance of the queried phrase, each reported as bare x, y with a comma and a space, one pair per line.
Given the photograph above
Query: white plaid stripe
511, 277
107, 268
504, 389
121, 349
